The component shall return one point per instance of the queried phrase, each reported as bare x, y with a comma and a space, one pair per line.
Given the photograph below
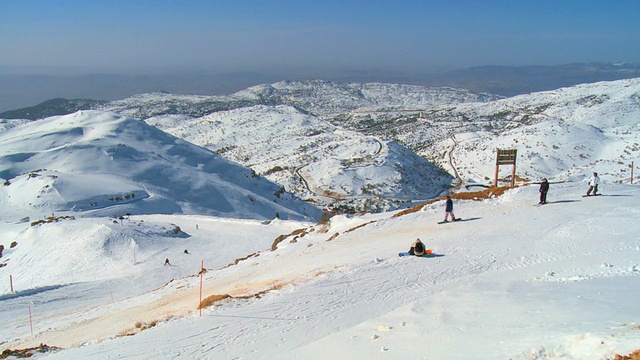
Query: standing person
166, 262
594, 180
448, 210
544, 188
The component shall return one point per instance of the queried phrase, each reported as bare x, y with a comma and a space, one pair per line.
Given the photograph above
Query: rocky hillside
378, 146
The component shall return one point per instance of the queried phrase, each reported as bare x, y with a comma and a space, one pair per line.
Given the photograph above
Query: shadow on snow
29, 292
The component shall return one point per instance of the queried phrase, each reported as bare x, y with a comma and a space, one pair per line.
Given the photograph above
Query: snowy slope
561, 134
107, 164
280, 130
312, 158
513, 281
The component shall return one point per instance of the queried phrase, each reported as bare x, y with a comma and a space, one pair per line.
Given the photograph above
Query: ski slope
513, 281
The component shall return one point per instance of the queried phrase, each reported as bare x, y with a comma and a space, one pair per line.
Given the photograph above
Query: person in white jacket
593, 184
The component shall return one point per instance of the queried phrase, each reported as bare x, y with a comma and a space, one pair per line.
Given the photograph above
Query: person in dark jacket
417, 248
544, 188
449, 210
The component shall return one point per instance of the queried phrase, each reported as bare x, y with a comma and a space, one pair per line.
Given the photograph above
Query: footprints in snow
609, 271
588, 271
382, 329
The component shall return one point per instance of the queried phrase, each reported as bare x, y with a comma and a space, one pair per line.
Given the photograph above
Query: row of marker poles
30, 315
199, 303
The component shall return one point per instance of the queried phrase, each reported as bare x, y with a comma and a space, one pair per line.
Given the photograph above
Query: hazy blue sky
241, 35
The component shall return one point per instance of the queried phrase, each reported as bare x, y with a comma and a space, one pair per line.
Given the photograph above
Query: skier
417, 248
544, 188
449, 210
593, 184
166, 262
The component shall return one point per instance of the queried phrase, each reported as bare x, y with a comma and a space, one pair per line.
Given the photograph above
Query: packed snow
511, 280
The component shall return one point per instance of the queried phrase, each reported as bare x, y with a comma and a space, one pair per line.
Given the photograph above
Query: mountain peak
84, 151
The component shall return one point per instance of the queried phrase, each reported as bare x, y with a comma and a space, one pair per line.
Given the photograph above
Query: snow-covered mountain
320, 98
312, 158
362, 147
560, 134
110, 165
280, 131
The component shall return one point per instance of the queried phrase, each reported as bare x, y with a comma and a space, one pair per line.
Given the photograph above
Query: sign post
506, 157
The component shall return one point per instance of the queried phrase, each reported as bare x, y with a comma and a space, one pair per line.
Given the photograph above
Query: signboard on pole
506, 157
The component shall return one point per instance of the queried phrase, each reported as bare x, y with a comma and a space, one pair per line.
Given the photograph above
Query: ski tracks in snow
332, 303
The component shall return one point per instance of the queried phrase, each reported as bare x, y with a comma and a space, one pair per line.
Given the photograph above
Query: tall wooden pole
495, 183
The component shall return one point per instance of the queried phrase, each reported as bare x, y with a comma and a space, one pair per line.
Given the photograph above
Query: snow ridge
49, 165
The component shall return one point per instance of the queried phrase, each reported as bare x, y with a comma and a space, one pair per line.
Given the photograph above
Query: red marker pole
201, 275
11, 282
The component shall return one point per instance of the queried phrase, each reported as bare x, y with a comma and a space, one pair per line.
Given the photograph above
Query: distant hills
24, 90
57, 106
516, 80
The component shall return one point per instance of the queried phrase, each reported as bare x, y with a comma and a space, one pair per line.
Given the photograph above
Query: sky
263, 36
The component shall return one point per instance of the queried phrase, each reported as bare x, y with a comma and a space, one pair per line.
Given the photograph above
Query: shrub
210, 300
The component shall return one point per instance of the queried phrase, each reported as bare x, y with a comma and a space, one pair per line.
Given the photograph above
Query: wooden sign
506, 157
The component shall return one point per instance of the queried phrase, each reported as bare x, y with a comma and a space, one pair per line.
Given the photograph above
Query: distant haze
209, 47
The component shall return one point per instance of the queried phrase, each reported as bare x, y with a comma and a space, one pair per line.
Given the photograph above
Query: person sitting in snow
593, 184
417, 248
